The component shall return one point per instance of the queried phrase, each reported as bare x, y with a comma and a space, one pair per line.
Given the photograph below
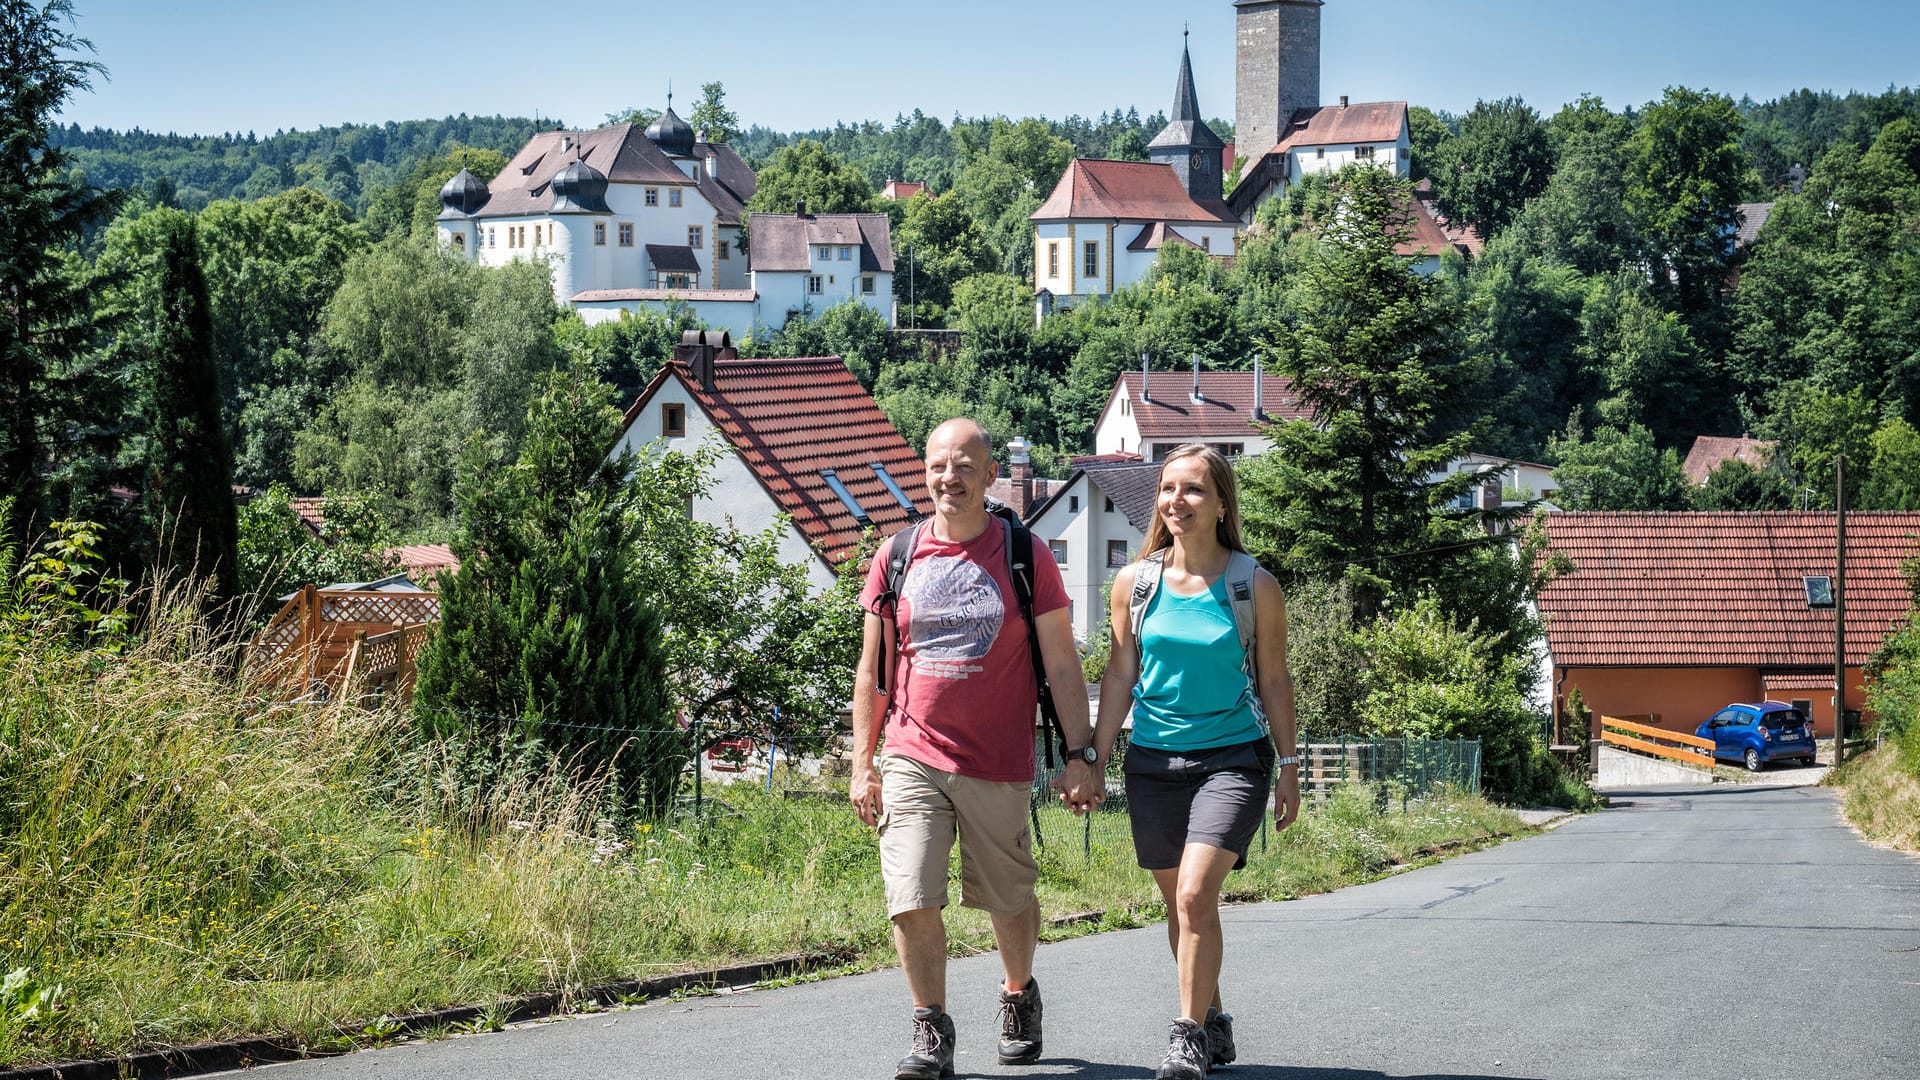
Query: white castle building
630, 220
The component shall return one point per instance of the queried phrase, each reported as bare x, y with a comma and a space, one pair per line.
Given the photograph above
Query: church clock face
1197, 160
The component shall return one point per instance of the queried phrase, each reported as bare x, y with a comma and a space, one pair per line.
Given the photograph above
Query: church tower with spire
1187, 143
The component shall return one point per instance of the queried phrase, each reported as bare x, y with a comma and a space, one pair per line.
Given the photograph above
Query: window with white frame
815, 284
626, 234
652, 197
1053, 259
673, 196
490, 232
1090, 260
696, 237
846, 253
866, 285
599, 234
825, 252
1363, 153
720, 250
1059, 549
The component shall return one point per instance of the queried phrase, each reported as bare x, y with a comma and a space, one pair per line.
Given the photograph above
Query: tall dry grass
190, 861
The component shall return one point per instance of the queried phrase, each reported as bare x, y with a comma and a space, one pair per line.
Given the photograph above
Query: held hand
863, 791
1081, 787
1286, 797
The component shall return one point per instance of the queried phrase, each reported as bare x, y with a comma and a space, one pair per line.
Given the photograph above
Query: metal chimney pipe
1195, 396
1259, 401
1145, 371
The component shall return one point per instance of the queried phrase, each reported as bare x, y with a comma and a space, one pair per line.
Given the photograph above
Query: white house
628, 220
1151, 412
802, 438
1104, 224
1504, 482
1094, 524
806, 263
612, 208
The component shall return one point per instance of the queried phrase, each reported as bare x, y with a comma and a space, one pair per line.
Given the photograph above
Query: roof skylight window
899, 496
1819, 591
853, 505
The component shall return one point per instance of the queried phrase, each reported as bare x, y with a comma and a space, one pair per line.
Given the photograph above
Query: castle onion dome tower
465, 194
580, 188
671, 134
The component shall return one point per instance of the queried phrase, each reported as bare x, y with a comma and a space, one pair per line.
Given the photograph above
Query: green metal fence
1399, 770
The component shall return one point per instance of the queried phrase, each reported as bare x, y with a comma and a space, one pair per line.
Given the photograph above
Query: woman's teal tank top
1193, 691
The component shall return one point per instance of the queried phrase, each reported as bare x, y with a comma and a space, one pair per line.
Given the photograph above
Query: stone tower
1276, 69
1187, 143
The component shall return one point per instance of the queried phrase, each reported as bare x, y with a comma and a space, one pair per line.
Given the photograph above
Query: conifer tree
189, 467
1372, 348
545, 629
45, 320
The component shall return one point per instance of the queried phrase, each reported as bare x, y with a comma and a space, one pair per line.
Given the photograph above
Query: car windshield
1785, 718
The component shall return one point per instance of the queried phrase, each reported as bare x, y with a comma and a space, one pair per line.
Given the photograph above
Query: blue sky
237, 65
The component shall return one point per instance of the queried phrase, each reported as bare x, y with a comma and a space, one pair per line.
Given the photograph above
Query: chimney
697, 351
1490, 490
1259, 398
1343, 101
1145, 394
1195, 396
1020, 473
800, 208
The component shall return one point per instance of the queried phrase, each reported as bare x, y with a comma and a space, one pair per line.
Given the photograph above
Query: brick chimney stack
1020, 473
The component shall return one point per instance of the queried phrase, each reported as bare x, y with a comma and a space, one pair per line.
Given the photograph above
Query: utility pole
1840, 609
913, 314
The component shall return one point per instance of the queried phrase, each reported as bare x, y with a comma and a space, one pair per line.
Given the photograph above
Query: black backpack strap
1020, 570
900, 551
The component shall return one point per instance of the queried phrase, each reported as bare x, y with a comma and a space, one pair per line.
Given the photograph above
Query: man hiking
947, 668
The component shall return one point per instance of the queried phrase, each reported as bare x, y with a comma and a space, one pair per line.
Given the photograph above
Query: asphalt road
1704, 933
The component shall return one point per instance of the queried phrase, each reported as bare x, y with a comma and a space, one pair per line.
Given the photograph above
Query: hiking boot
1220, 1049
1020, 1025
1186, 1052
932, 1056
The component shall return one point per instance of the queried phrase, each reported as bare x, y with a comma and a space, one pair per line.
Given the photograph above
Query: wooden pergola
345, 639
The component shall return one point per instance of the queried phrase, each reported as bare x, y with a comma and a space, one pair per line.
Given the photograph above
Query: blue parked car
1759, 734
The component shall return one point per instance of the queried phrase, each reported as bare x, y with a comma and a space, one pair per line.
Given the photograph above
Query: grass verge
1881, 798
183, 867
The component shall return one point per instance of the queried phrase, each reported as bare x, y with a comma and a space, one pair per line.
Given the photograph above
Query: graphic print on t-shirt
955, 615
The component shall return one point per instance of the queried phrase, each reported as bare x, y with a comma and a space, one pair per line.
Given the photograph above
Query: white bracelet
1290, 759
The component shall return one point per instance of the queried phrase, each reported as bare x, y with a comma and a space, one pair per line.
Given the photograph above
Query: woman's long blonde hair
1220, 472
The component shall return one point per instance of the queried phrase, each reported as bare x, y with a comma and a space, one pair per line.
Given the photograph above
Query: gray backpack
1240, 570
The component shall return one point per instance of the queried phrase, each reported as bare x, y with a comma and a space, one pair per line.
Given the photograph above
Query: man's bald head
962, 432
959, 469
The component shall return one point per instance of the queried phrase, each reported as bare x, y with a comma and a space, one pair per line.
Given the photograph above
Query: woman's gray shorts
1215, 796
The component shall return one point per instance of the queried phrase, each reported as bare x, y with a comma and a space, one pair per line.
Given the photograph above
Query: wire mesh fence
801, 781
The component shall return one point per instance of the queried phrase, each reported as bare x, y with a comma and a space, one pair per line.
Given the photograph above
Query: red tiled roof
1720, 589
1081, 461
1158, 235
1225, 408
312, 510
789, 420
1428, 237
1464, 237
425, 561
1712, 451
1774, 682
902, 190
1128, 191
608, 296
1328, 125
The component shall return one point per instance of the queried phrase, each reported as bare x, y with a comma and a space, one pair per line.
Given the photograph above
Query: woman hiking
1200, 658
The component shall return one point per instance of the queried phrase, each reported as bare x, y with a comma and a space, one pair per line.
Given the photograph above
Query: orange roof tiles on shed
1128, 191
789, 420
1712, 451
1720, 589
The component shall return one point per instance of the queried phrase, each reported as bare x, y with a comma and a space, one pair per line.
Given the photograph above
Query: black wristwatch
1086, 753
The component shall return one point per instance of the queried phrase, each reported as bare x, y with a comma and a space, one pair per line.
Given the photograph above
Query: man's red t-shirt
963, 688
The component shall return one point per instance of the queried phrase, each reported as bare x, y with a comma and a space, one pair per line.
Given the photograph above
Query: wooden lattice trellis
326, 642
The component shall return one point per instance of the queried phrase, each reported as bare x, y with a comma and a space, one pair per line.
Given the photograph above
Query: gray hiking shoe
1186, 1052
1020, 1025
932, 1056
1220, 1049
